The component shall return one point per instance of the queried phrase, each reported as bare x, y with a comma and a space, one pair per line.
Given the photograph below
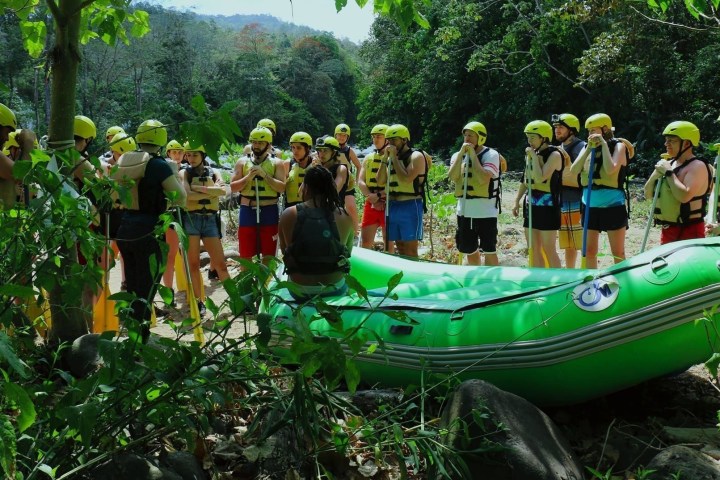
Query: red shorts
673, 233
247, 236
372, 216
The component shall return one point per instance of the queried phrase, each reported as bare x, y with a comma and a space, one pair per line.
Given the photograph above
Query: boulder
512, 439
184, 464
683, 462
128, 465
82, 358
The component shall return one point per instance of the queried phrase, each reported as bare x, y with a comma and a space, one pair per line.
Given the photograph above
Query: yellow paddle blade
195, 315
104, 318
40, 314
180, 278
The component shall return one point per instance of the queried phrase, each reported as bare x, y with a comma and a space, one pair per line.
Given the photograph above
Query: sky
352, 22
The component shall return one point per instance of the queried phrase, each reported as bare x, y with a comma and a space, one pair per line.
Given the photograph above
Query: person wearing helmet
260, 179
566, 127
25, 140
328, 155
608, 204
543, 173
475, 170
204, 188
150, 182
109, 134
270, 125
685, 187
175, 156
406, 175
295, 167
84, 132
374, 209
316, 238
342, 135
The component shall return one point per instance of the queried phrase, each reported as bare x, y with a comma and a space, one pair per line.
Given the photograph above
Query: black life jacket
316, 248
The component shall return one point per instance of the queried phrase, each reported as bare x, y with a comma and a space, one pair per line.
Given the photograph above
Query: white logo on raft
597, 294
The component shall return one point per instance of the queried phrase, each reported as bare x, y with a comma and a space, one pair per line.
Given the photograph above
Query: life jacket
207, 179
294, 180
552, 184
474, 189
316, 248
571, 181
142, 198
343, 158
264, 190
668, 211
372, 167
333, 169
417, 187
601, 179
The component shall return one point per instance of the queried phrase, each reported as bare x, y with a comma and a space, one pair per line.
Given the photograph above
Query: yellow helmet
684, 130
151, 132
194, 147
84, 127
397, 131
112, 131
479, 129
122, 142
261, 134
598, 120
326, 141
11, 141
567, 119
343, 128
301, 137
267, 123
7, 117
540, 127
379, 129
174, 145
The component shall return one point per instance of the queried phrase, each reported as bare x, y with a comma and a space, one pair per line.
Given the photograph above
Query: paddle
651, 213
387, 207
104, 318
528, 179
466, 163
586, 217
257, 219
192, 301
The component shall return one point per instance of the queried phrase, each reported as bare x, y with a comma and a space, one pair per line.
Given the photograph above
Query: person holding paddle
682, 201
475, 170
260, 179
603, 168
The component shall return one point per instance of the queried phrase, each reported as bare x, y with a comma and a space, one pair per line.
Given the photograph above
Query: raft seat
420, 288
484, 291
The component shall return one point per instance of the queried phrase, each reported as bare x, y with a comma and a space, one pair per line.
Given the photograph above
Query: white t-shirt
482, 207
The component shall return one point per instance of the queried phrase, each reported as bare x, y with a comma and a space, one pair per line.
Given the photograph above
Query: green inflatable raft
552, 336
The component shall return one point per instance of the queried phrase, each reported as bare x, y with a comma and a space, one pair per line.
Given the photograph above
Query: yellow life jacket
554, 181
344, 159
209, 204
601, 179
474, 188
372, 167
669, 211
264, 190
292, 186
417, 186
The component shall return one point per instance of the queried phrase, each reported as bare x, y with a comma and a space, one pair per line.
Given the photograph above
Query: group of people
304, 206
575, 190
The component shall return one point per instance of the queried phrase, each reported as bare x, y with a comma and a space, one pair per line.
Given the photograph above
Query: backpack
316, 246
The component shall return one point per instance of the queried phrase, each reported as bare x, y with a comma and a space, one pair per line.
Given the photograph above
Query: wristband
669, 173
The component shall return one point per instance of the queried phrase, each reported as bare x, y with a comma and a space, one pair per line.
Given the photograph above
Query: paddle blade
180, 278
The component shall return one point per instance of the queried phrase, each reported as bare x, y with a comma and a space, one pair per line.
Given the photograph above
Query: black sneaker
201, 308
213, 275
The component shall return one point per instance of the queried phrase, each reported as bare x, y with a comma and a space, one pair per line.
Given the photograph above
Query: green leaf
83, 418
19, 396
8, 446
8, 354
394, 282
141, 23
198, 104
166, 293
340, 4
712, 364
33, 34
14, 290
354, 284
352, 375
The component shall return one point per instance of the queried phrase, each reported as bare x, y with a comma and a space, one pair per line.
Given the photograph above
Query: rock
185, 465
83, 358
685, 462
532, 447
368, 401
232, 255
135, 467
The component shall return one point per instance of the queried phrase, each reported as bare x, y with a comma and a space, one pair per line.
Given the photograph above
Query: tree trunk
69, 320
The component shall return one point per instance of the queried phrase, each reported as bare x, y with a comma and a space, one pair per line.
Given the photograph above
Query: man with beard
566, 127
260, 179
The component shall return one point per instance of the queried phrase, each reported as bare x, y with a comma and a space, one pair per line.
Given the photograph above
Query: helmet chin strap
680, 153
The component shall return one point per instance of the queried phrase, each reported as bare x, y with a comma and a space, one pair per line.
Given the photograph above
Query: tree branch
678, 25
84, 4
55, 10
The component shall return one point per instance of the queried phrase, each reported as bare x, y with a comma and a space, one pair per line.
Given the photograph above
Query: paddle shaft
651, 213
716, 190
586, 201
257, 218
192, 301
529, 181
387, 207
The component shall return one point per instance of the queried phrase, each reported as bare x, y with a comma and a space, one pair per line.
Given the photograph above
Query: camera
555, 118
